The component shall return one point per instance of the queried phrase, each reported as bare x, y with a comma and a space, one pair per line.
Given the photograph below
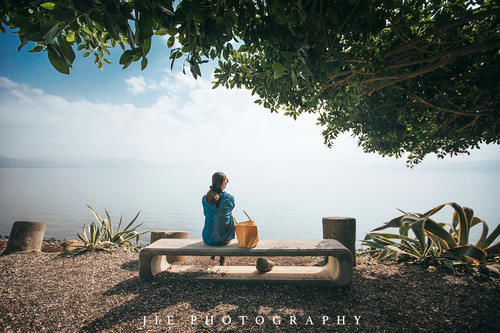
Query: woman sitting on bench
218, 206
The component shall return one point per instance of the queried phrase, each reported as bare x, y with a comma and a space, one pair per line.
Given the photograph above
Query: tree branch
477, 48
445, 60
468, 113
436, 29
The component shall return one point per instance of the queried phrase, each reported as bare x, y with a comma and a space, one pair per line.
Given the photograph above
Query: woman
218, 206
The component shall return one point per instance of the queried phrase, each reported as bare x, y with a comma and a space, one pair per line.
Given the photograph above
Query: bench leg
150, 265
340, 269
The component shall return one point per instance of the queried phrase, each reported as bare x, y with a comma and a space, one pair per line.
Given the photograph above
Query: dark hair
214, 193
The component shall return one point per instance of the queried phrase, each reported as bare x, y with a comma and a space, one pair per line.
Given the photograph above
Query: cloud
187, 124
136, 84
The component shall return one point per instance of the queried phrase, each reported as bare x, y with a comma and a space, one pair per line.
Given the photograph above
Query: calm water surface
283, 206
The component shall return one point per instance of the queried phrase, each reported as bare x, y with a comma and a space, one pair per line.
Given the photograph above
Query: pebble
52, 240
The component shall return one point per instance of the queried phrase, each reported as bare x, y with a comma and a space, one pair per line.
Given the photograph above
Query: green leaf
70, 37
56, 29
294, 78
171, 41
418, 230
491, 238
97, 216
161, 32
57, 60
23, 43
469, 215
131, 222
87, 30
463, 227
146, 47
433, 210
111, 27
438, 231
394, 223
481, 242
36, 49
126, 57
48, 5
279, 70
470, 251
493, 250
109, 225
67, 51
144, 63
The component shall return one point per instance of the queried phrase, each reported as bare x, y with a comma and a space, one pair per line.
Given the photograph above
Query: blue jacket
219, 223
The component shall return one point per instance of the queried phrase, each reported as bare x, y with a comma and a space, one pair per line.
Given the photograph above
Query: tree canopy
414, 77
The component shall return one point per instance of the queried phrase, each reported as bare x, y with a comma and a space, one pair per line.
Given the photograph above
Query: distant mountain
7, 162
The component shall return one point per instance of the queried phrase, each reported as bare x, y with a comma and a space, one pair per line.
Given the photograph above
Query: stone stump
26, 237
159, 234
342, 229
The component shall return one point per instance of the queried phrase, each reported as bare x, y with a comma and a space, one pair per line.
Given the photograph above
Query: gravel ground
93, 292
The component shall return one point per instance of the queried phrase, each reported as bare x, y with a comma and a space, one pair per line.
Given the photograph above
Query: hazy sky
155, 115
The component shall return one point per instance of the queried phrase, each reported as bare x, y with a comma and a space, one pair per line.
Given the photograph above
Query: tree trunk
26, 237
159, 234
342, 229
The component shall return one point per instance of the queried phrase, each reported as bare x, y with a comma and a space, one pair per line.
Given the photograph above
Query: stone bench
337, 272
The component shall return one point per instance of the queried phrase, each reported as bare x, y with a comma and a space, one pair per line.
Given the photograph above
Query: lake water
283, 205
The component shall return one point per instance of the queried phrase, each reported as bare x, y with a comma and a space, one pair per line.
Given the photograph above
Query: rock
431, 269
71, 245
264, 265
52, 240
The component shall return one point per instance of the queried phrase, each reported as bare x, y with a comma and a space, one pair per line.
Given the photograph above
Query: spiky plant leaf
109, 225
470, 251
433, 211
132, 222
120, 224
463, 224
469, 216
394, 223
438, 231
491, 238
96, 214
493, 250
418, 229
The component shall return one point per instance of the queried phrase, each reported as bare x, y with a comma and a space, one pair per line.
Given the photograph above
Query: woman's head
219, 183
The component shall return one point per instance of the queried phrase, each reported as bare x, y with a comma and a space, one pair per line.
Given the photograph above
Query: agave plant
92, 236
101, 236
433, 241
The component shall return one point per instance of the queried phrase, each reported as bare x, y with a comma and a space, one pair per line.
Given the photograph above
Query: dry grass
101, 292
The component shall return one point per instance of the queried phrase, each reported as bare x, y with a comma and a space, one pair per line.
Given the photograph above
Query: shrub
433, 242
101, 236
